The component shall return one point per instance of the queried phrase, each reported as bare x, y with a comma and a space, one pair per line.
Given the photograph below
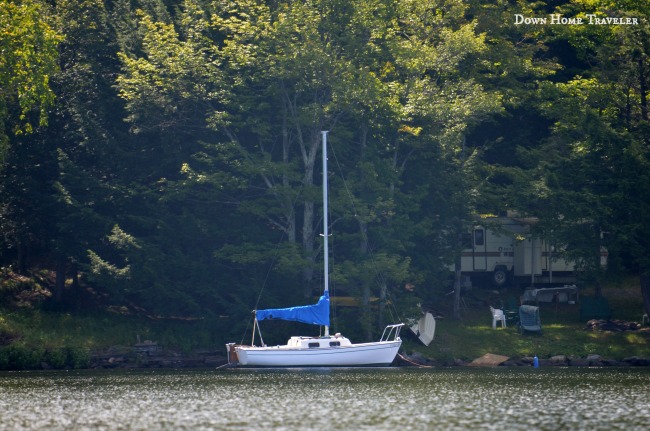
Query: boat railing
391, 331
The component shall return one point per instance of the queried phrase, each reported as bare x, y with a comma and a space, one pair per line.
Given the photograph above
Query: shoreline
214, 359
594, 360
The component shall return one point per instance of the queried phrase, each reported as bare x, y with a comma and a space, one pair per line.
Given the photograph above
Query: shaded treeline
167, 151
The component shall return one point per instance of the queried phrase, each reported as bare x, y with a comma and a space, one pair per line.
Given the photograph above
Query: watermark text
588, 19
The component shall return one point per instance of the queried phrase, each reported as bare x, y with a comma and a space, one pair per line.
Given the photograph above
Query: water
328, 399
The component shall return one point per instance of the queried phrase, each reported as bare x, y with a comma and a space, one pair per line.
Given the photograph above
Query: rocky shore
417, 359
145, 356
149, 354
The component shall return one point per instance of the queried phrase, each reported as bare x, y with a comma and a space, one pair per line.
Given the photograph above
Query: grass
564, 333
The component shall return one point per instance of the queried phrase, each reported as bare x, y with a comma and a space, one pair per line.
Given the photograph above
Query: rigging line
259, 295
364, 234
275, 257
404, 358
270, 268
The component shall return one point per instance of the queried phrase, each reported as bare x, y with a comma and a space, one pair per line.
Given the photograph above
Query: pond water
328, 399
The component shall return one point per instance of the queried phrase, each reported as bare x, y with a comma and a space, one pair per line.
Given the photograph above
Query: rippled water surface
329, 399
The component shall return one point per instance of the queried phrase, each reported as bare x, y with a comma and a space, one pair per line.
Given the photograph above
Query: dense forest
163, 154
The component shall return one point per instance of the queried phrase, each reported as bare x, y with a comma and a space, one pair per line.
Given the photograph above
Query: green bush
78, 357
56, 358
17, 357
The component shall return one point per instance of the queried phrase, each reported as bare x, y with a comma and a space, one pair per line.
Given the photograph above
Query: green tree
29, 59
598, 147
28, 43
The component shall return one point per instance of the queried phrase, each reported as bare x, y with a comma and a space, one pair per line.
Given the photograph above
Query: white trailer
501, 249
487, 253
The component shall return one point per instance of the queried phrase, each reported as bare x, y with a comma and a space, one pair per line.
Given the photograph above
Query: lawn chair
497, 316
529, 319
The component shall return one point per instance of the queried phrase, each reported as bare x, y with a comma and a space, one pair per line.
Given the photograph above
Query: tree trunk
308, 230
644, 282
308, 248
308, 146
366, 312
643, 89
289, 207
21, 258
59, 287
457, 287
382, 304
75, 288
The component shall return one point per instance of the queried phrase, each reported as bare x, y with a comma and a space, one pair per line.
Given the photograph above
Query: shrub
17, 357
56, 358
78, 357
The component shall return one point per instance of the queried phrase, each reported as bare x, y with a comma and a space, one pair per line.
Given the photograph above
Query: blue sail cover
317, 314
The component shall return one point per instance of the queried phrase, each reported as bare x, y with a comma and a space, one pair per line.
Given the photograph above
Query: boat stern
233, 354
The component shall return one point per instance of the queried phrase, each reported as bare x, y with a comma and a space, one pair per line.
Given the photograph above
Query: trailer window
478, 237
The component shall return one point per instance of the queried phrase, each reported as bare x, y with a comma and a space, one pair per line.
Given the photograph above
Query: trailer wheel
500, 277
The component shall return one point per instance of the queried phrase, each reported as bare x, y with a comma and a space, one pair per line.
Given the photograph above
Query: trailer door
480, 249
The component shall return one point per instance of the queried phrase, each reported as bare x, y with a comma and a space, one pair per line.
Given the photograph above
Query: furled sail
317, 314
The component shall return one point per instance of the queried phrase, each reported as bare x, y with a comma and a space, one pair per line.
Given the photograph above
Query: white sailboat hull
381, 353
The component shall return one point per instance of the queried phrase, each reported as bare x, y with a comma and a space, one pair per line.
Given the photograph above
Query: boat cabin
336, 340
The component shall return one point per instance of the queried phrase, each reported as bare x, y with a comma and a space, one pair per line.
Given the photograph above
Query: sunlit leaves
175, 78
28, 47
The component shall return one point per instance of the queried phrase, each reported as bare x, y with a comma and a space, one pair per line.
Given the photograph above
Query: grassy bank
33, 337
564, 332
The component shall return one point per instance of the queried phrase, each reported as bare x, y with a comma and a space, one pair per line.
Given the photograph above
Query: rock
417, 357
559, 360
579, 362
637, 362
488, 360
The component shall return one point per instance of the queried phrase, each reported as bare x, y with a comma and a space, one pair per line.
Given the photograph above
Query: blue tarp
317, 314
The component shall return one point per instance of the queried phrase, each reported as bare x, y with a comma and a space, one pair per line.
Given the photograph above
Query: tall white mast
325, 222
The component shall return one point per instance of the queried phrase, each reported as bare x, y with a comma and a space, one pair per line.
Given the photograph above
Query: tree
29, 54
29, 59
598, 145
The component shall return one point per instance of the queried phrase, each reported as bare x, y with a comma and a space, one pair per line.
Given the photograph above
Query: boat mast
325, 222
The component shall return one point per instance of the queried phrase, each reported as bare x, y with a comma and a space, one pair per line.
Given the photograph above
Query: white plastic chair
498, 316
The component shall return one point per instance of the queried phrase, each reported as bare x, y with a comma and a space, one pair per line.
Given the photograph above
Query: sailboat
324, 351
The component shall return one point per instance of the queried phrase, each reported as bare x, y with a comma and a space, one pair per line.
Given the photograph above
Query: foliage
174, 161
29, 54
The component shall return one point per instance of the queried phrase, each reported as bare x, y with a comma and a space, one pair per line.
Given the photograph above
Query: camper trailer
501, 250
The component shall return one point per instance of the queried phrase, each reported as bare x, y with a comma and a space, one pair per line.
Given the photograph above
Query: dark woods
164, 153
